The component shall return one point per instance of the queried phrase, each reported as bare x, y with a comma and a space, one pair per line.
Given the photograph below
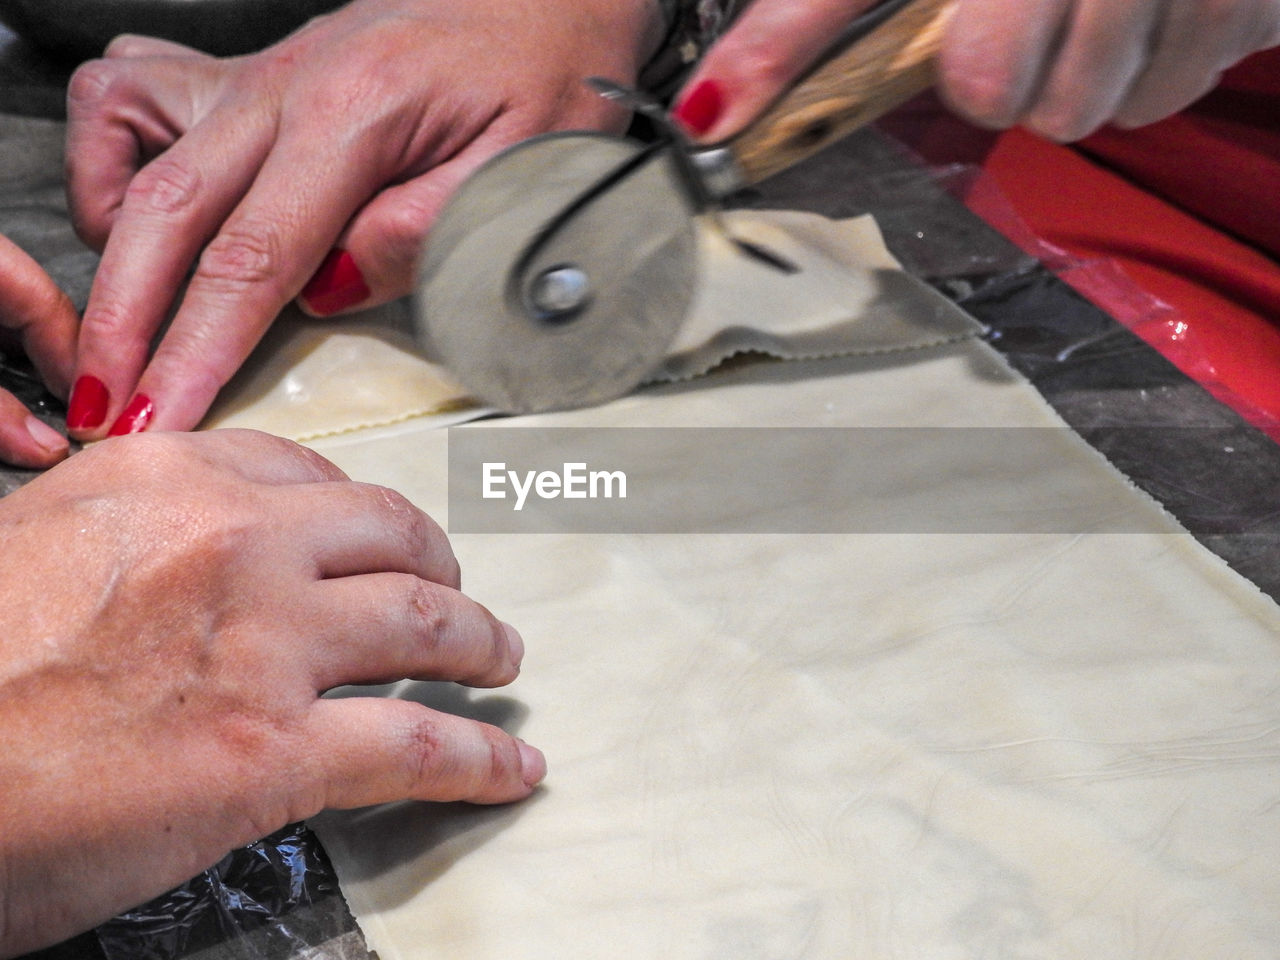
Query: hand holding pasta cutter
560, 272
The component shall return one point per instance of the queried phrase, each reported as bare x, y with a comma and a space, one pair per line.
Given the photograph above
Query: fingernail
700, 108
533, 765
337, 285
88, 405
48, 438
134, 418
515, 643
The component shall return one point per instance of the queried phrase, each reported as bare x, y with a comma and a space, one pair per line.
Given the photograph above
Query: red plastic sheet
1173, 229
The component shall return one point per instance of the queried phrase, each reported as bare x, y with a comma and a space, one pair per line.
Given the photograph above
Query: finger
1101, 55
32, 305
262, 254
380, 628
1189, 56
122, 113
26, 441
996, 54
173, 205
359, 528
772, 43
376, 257
383, 751
136, 46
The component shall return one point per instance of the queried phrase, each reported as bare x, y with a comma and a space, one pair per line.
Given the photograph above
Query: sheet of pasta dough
835, 746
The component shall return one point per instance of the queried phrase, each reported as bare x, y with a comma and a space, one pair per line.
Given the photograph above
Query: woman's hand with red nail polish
174, 607
768, 47
312, 170
1061, 68
39, 321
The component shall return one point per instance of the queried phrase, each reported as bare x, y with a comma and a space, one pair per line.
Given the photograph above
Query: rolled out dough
833, 746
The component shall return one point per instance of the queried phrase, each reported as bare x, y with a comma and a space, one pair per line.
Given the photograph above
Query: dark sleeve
692, 26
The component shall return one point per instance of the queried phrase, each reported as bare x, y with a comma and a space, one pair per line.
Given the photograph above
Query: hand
318, 163
1061, 68
173, 605
38, 318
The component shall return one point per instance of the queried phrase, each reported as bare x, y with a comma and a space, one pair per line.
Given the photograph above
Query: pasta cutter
560, 272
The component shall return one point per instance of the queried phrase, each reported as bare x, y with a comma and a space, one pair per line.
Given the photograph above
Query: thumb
768, 48
375, 260
41, 315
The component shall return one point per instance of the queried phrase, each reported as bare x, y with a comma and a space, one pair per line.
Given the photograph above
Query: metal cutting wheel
560, 272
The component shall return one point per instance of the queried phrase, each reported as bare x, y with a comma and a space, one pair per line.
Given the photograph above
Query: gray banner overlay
785, 480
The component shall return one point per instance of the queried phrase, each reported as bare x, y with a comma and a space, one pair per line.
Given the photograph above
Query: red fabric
1174, 229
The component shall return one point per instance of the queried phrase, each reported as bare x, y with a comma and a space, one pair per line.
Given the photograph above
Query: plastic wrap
275, 898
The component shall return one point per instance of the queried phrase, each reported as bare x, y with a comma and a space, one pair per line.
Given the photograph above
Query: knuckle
145, 461
165, 186
107, 321
125, 45
317, 464
425, 749
402, 229
503, 758
767, 64
242, 255
427, 613
402, 516
191, 356
92, 83
320, 466
442, 770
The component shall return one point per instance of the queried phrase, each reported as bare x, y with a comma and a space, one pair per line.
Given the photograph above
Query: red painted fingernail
135, 417
700, 108
88, 405
338, 284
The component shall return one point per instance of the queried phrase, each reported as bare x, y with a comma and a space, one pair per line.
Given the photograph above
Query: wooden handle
877, 73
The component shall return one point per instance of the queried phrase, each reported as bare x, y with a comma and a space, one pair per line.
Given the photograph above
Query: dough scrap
312, 378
